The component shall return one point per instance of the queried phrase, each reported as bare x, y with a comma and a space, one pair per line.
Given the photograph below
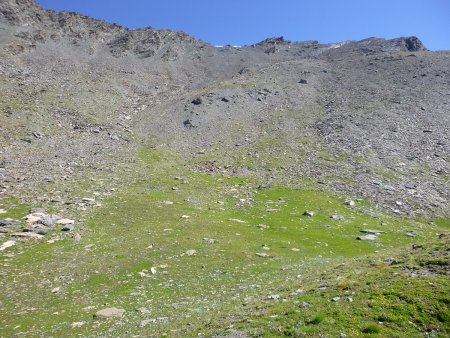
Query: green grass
225, 284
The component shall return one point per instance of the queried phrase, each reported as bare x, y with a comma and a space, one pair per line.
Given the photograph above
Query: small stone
237, 220
262, 226
109, 313
336, 299
209, 240
197, 101
305, 305
26, 235
185, 217
367, 238
153, 270
56, 290
65, 221
191, 252
262, 254
411, 235
350, 203
68, 227
337, 217
34, 218
303, 81
167, 202
87, 200
309, 213
78, 324
7, 245
373, 232
6, 222
146, 322
274, 297
2, 211
37, 210
295, 249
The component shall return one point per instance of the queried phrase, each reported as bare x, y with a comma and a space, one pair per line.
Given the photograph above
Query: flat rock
237, 220
7, 245
2, 211
65, 221
34, 218
367, 238
109, 313
26, 235
37, 210
68, 227
262, 254
6, 222
191, 252
411, 235
309, 213
373, 232
350, 203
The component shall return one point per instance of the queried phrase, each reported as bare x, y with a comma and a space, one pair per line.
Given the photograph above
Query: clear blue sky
239, 22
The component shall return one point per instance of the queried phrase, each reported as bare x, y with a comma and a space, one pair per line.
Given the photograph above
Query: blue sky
239, 22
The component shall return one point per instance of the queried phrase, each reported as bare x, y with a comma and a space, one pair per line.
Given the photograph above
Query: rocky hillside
96, 118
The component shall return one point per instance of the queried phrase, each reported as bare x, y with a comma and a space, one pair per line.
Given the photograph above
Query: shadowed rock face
364, 118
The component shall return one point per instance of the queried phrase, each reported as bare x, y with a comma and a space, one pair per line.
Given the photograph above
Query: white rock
367, 238
191, 252
78, 324
7, 245
2, 211
109, 313
274, 297
65, 221
33, 218
350, 203
237, 220
259, 254
153, 270
185, 216
26, 235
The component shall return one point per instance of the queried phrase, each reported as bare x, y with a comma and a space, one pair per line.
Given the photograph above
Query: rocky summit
152, 184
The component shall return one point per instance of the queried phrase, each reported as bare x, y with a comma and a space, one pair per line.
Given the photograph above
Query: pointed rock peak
273, 41
413, 44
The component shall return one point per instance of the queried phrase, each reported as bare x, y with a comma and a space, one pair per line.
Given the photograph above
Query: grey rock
109, 313
7, 222
68, 227
37, 210
411, 234
367, 238
197, 101
373, 232
309, 213
43, 231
